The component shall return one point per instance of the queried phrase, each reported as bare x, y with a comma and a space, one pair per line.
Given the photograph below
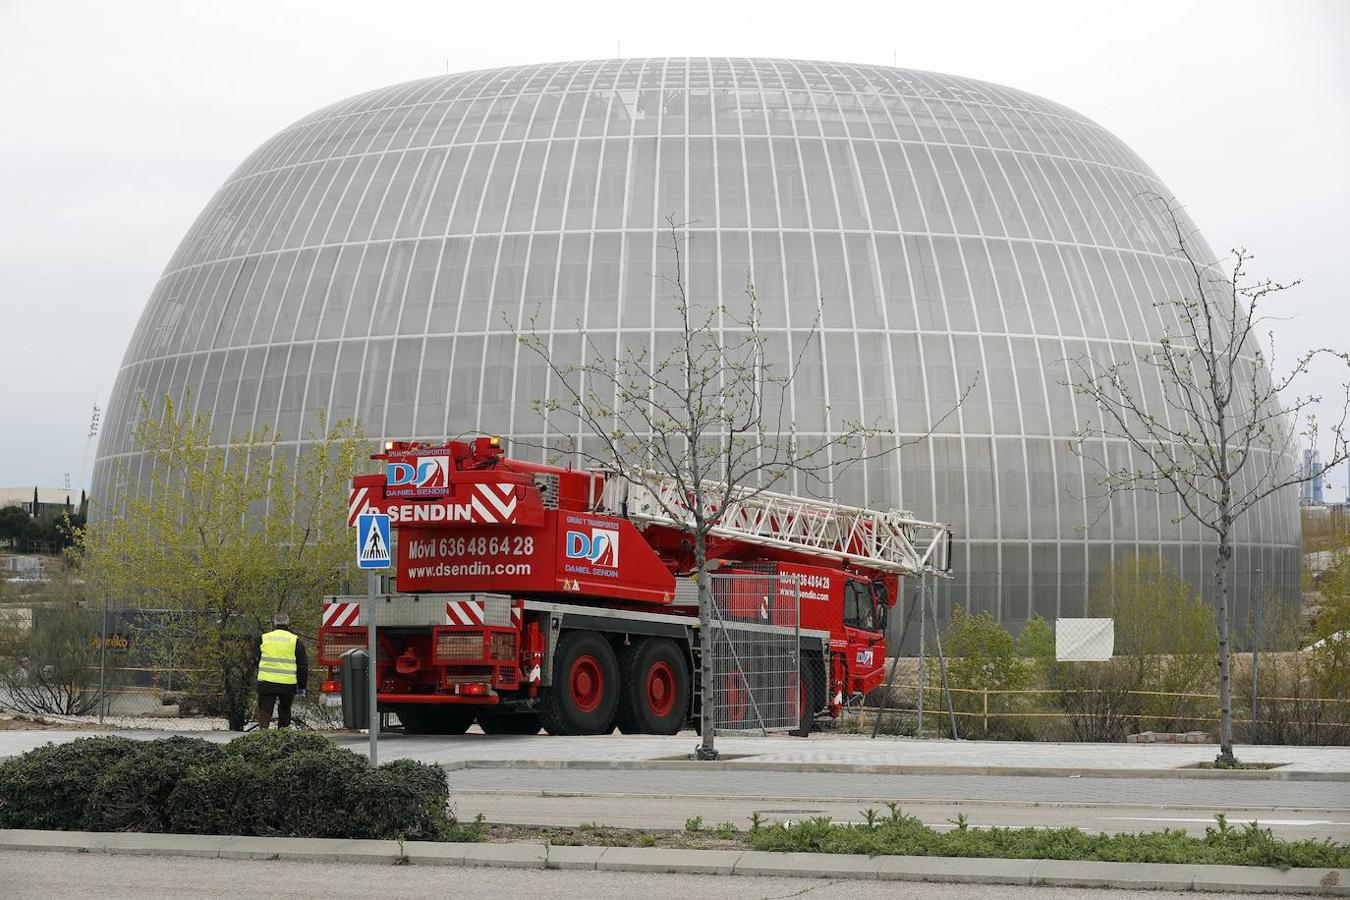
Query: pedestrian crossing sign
372, 541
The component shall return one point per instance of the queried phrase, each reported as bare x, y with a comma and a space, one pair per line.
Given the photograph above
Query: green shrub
402, 799
1165, 642
278, 783
49, 787
131, 794
983, 656
265, 748
314, 793
1249, 845
226, 797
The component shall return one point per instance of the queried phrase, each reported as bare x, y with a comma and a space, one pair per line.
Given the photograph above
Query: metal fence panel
756, 627
139, 667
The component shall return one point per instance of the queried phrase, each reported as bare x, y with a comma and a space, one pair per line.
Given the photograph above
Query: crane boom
893, 541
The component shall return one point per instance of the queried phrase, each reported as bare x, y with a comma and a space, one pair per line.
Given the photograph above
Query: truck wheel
435, 719
810, 693
654, 692
585, 689
508, 723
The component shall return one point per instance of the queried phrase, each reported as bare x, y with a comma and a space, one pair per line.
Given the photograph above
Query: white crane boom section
893, 541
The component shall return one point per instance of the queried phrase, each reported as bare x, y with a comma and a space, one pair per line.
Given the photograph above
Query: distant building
1310, 492
39, 501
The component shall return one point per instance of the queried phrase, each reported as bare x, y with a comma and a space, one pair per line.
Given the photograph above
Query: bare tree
711, 416
1223, 434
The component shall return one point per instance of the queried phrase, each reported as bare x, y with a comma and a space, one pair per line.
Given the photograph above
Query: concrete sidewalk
1327, 882
821, 752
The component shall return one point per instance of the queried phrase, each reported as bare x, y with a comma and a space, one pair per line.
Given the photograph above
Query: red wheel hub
660, 689
587, 684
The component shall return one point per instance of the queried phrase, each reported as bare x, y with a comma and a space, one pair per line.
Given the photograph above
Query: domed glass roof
372, 258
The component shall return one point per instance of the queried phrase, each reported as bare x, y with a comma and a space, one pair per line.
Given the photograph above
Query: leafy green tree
1036, 646
983, 654
1333, 617
14, 525
54, 532
983, 660
1165, 637
225, 537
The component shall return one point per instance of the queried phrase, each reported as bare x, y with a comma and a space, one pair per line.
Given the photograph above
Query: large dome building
372, 257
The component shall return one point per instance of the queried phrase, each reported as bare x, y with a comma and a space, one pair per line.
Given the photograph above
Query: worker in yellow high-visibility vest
282, 672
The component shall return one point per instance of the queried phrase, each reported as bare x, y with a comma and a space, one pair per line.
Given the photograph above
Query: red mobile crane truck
532, 595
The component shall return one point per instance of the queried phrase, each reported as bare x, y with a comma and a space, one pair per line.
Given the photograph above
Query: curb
654, 765
1060, 873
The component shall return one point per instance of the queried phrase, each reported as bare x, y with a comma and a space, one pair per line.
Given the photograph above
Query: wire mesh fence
66, 658
141, 668
756, 642
1258, 599
1289, 712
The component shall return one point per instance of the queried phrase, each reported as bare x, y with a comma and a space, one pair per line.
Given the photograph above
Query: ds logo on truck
421, 475
600, 547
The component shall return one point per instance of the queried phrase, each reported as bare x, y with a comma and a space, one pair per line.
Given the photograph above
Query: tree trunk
1225, 757
706, 748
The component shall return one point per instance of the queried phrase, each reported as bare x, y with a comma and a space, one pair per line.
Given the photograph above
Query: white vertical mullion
886, 327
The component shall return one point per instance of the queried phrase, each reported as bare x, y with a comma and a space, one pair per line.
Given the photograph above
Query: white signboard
1084, 640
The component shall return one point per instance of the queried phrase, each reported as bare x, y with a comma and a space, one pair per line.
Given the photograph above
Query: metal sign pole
372, 588
372, 554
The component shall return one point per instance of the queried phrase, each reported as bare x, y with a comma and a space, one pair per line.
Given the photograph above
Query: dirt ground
588, 835
23, 723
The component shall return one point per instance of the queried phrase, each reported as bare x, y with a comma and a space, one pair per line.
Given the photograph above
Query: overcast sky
121, 120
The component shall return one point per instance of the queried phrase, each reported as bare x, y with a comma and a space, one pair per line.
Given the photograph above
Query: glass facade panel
936, 232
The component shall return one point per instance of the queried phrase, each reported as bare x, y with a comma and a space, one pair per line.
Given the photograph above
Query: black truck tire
811, 690
653, 688
585, 689
499, 722
434, 719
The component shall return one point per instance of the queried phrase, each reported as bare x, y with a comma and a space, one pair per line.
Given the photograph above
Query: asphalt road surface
665, 799
43, 876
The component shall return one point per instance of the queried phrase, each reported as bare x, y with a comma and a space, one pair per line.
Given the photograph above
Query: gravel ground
23, 723
156, 723
51, 722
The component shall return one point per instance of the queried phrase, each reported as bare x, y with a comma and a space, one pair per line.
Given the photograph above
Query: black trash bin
355, 677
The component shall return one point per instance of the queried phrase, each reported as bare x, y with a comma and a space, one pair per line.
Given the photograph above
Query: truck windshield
858, 609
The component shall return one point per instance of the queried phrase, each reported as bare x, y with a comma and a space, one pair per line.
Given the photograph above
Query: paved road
666, 799
1152, 792
635, 811
43, 876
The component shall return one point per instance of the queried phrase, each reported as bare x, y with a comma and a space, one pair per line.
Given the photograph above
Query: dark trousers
279, 695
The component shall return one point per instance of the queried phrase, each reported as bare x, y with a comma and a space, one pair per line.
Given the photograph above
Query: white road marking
1210, 820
